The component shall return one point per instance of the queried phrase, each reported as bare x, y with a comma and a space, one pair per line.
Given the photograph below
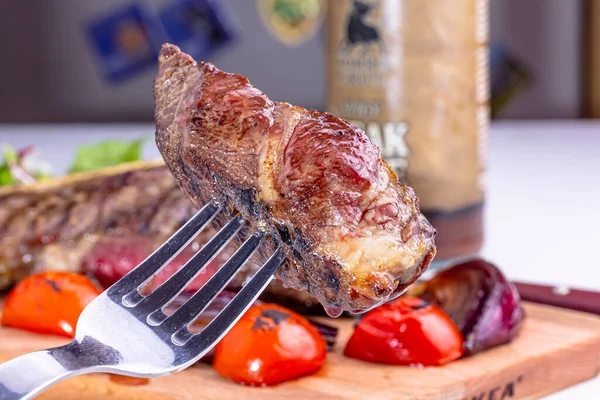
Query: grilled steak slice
353, 234
53, 224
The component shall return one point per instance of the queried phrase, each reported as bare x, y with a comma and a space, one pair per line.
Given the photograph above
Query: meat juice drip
333, 312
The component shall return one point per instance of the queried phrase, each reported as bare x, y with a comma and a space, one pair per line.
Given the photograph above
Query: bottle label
413, 74
291, 22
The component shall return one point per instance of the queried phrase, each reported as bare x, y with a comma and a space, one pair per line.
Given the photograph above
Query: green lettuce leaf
10, 156
105, 154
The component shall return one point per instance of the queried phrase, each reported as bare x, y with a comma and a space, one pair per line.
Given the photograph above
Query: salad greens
10, 156
21, 167
106, 154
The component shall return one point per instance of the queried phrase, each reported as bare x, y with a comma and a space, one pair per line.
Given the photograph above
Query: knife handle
563, 297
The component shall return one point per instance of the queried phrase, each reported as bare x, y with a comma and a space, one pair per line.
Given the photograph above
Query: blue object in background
126, 41
198, 27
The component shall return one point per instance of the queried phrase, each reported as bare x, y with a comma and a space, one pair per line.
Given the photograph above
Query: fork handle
26, 376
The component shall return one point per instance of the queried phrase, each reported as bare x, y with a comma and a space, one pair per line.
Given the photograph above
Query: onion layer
483, 304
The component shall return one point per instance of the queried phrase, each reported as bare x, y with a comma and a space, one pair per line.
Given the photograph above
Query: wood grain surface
556, 348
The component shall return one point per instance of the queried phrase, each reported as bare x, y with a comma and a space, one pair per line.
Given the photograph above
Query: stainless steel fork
126, 333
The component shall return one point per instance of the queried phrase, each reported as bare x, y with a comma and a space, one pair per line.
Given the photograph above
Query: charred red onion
328, 332
479, 299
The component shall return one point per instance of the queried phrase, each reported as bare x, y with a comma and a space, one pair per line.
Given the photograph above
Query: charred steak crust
352, 233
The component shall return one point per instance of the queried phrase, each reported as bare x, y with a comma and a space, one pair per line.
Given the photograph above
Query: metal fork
123, 332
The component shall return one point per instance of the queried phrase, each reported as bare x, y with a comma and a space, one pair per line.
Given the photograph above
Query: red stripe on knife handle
564, 297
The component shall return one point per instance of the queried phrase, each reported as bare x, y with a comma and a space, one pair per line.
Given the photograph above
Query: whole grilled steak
353, 235
53, 224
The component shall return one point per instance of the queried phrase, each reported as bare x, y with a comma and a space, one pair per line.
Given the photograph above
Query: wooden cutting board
556, 348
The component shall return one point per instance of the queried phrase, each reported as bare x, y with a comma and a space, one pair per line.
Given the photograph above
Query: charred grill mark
194, 184
145, 221
330, 276
53, 285
332, 281
50, 216
297, 254
284, 233
300, 242
269, 319
261, 324
10, 206
276, 315
154, 211
82, 216
112, 185
20, 225
247, 199
170, 212
421, 305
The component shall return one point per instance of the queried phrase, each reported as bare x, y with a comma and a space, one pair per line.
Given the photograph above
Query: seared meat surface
53, 224
352, 233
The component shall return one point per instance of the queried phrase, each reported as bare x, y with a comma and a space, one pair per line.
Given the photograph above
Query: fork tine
192, 308
164, 254
224, 321
180, 279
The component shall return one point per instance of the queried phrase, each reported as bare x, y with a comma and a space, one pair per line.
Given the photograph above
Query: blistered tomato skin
407, 331
270, 345
49, 302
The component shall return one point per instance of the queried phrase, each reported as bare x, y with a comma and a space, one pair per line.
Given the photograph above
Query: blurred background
80, 72
76, 83
54, 69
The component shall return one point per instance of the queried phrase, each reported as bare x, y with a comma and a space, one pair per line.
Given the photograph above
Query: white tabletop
542, 210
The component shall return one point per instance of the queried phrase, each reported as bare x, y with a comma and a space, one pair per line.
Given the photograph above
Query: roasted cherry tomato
269, 345
49, 302
406, 331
